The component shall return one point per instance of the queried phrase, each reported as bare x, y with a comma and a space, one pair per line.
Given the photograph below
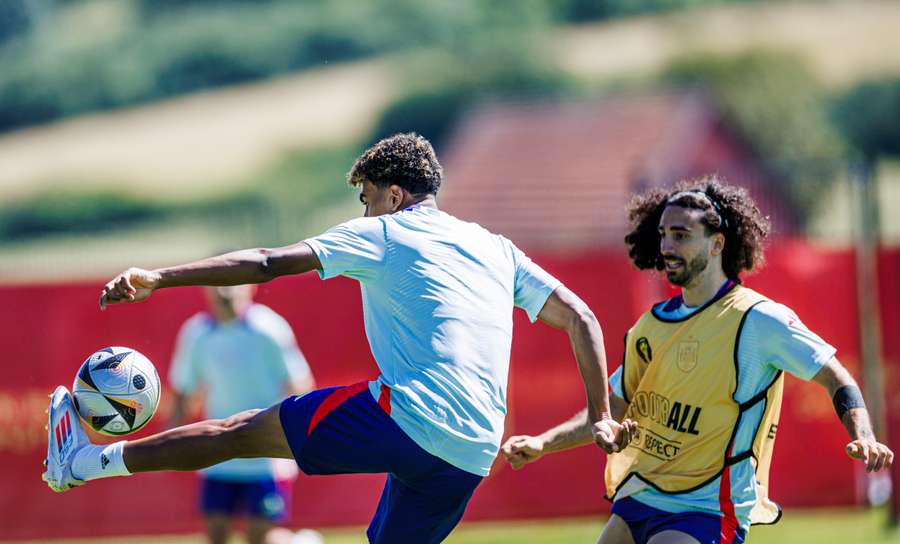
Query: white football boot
65, 437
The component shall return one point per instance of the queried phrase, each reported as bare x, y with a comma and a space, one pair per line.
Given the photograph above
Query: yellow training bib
679, 378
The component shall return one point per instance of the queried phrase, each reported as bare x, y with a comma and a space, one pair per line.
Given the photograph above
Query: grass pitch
797, 527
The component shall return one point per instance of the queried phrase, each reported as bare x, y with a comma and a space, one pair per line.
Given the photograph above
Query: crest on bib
688, 354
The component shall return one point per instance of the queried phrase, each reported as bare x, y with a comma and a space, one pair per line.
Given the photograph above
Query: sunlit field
797, 527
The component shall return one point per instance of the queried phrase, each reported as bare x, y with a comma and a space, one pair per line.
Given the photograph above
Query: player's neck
704, 287
427, 201
227, 314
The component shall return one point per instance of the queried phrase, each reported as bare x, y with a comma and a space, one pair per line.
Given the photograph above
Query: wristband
846, 398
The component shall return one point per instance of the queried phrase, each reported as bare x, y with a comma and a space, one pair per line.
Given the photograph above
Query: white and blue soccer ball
116, 390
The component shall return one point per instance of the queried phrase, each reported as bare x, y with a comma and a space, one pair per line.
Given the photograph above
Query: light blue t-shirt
772, 339
438, 295
246, 363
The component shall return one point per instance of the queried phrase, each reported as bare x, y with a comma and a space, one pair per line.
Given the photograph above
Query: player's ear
718, 243
396, 197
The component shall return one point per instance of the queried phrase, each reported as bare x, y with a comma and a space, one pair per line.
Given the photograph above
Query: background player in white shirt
239, 356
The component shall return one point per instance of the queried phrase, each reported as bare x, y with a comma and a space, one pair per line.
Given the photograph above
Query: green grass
797, 527
828, 526
803, 527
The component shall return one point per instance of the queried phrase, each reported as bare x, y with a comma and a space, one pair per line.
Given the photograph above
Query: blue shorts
645, 522
342, 430
266, 498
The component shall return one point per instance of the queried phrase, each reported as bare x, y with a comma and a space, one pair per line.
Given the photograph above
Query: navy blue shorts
266, 498
342, 430
646, 521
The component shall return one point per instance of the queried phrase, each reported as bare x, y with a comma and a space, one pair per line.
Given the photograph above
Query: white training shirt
438, 295
249, 362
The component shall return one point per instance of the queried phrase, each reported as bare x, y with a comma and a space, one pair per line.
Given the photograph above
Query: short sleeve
184, 374
533, 285
355, 249
615, 383
785, 343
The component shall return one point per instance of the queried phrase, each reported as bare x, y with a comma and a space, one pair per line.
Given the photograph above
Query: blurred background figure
242, 355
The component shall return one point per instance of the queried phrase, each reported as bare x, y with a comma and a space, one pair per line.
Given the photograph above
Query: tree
776, 104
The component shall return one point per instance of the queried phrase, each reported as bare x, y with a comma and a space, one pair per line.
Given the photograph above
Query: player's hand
613, 436
521, 450
133, 285
874, 454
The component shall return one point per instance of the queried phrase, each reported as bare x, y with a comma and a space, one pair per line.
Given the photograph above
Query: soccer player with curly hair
438, 295
702, 377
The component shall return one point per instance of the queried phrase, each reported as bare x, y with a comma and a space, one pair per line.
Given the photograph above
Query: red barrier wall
46, 331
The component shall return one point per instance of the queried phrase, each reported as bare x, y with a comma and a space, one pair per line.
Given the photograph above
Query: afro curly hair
728, 209
406, 160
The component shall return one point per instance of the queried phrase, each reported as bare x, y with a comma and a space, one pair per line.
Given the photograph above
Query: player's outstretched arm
235, 268
564, 310
523, 449
576, 432
851, 409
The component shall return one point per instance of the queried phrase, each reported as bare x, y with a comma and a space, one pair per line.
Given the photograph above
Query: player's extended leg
254, 433
72, 459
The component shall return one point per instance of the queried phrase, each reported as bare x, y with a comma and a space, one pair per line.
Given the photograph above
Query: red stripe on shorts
385, 399
728, 531
332, 401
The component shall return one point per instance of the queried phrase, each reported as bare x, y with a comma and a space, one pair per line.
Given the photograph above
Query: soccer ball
116, 391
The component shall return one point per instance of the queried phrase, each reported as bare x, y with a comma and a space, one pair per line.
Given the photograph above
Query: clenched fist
133, 285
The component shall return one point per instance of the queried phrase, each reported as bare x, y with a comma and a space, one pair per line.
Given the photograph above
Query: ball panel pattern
116, 391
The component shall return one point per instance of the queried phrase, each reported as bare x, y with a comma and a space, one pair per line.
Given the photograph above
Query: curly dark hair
407, 160
728, 209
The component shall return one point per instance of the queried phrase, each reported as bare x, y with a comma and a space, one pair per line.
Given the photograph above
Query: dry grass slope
204, 142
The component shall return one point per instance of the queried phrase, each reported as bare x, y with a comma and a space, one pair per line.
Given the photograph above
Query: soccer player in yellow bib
702, 377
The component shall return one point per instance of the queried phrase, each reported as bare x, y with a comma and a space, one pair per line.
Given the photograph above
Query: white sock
92, 462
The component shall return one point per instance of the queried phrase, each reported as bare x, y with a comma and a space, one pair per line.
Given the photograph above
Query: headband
716, 206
